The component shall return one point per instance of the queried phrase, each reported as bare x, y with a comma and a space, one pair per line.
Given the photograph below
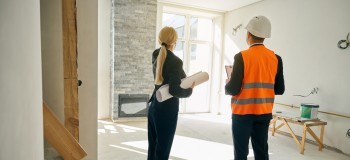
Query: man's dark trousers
255, 127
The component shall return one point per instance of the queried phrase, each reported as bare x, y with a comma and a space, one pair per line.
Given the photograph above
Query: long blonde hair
167, 38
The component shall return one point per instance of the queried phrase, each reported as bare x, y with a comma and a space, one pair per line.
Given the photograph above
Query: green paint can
309, 110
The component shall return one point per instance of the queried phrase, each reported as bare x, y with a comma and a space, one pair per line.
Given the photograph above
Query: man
257, 76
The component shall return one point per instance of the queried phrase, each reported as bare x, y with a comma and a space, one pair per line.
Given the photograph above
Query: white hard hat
259, 26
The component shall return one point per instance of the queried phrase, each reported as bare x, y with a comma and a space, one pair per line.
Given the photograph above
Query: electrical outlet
348, 134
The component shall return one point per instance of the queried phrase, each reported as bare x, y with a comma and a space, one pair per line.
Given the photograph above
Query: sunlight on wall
230, 49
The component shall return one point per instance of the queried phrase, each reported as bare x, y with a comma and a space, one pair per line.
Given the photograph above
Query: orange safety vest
257, 93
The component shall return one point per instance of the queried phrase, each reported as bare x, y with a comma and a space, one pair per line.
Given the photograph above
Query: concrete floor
198, 137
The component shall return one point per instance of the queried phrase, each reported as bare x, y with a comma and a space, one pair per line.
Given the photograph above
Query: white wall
104, 58
305, 34
87, 72
52, 56
21, 124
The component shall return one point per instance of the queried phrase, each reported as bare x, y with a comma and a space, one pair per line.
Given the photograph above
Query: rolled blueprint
163, 94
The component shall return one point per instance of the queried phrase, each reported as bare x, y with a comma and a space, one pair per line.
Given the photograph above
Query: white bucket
309, 110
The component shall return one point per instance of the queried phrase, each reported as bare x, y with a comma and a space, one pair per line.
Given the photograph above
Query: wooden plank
71, 106
321, 138
273, 126
60, 138
291, 132
302, 148
279, 126
273, 120
71, 110
320, 123
69, 29
291, 120
315, 137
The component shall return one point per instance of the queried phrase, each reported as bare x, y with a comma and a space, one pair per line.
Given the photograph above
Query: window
194, 47
203, 32
175, 21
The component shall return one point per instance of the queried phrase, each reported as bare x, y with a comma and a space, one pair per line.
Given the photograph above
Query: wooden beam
291, 132
69, 24
71, 106
320, 143
60, 138
279, 126
302, 148
321, 138
71, 110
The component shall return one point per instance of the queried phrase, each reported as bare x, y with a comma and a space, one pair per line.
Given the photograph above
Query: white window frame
188, 13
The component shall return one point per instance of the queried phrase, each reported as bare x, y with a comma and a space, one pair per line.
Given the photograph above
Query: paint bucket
309, 110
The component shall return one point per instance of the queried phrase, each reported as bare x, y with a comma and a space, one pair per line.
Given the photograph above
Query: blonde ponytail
160, 62
167, 38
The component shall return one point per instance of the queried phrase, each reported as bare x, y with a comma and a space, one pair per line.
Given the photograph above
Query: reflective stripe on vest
259, 85
253, 101
257, 93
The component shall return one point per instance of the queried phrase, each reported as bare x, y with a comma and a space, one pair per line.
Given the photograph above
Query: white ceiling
214, 5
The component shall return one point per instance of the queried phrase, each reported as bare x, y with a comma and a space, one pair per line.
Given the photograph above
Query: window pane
179, 49
201, 29
199, 61
175, 21
199, 58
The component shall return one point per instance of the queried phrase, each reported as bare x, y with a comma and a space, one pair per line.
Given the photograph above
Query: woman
162, 116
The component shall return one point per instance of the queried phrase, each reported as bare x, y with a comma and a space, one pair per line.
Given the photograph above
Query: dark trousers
255, 127
162, 120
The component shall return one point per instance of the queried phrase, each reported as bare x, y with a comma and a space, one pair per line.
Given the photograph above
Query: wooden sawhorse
306, 128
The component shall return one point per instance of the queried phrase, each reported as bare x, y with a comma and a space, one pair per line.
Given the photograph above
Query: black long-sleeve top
172, 75
233, 87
